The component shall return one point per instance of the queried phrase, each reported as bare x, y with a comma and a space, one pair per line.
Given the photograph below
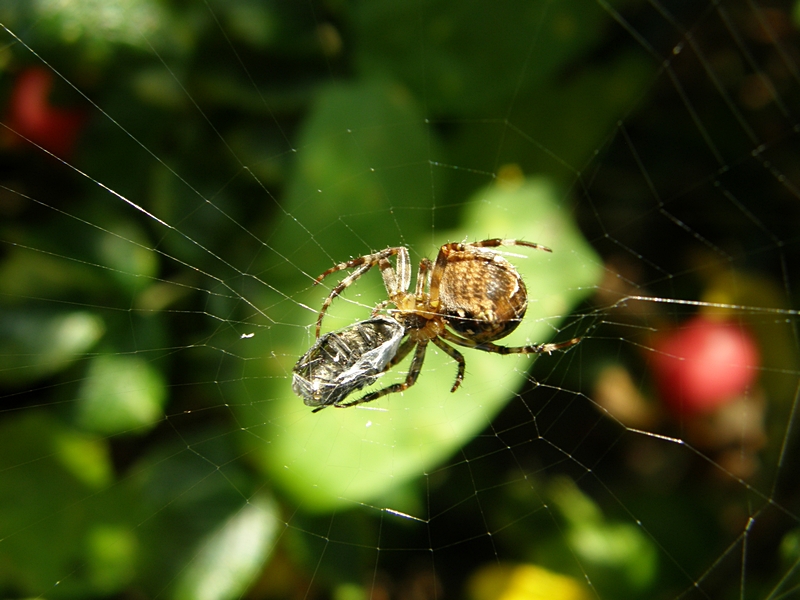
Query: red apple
704, 364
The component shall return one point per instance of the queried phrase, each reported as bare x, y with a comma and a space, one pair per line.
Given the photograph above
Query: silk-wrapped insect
345, 361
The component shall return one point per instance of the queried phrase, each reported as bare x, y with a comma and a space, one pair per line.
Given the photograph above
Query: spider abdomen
483, 299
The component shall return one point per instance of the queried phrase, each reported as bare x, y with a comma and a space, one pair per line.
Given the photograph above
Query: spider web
157, 289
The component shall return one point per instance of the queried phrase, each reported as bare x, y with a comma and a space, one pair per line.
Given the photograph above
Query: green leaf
612, 553
84, 456
361, 164
341, 457
197, 519
35, 344
120, 393
111, 556
468, 57
104, 22
47, 495
27, 274
230, 557
125, 250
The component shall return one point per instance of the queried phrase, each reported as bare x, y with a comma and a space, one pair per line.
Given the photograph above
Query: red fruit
31, 116
705, 364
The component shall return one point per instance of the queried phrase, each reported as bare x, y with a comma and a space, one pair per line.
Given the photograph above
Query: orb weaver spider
469, 296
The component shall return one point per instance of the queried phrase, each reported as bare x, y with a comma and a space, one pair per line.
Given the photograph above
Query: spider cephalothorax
470, 296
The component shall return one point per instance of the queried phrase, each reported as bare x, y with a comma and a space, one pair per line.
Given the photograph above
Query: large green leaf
342, 457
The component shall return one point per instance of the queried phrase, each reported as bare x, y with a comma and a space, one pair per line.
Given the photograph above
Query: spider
344, 361
469, 296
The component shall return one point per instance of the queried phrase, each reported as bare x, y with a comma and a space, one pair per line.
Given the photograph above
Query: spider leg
391, 278
379, 307
490, 347
393, 281
402, 352
364, 264
423, 277
372, 259
495, 242
411, 378
456, 356
339, 289
403, 272
534, 349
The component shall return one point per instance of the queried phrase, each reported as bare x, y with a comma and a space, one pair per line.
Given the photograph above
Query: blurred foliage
151, 447
524, 582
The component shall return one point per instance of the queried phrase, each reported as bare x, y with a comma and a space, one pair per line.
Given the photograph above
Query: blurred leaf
564, 121
789, 552
111, 556
613, 554
350, 591
124, 249
474, 52
231, 556
38, 344
251, 21
524, 582
29, 275
120, 393
103, 22
158, 88
360, 170
790, 547
45, 511
195, 527
84, 456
